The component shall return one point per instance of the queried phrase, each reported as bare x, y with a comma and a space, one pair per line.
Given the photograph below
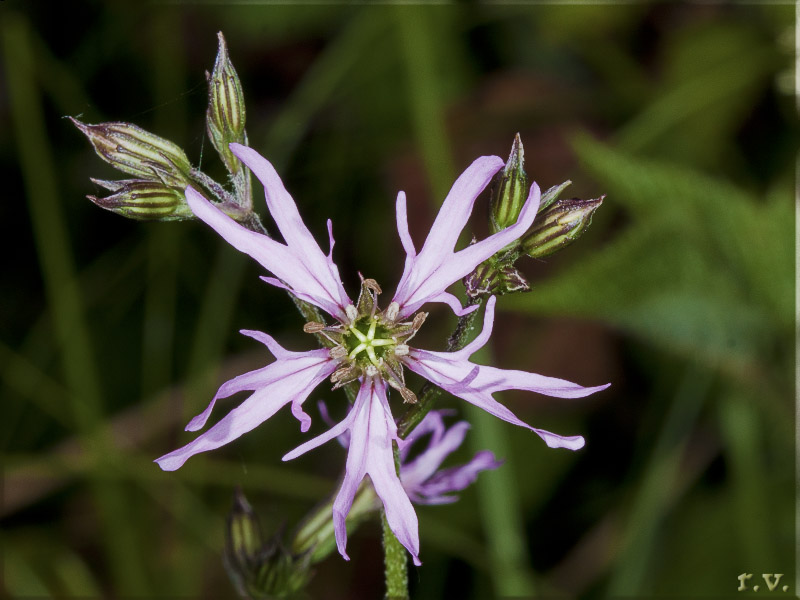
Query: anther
337, 352
371, 284
409, 397
351, 312
342, 374
313, 327
419, 319
392, 311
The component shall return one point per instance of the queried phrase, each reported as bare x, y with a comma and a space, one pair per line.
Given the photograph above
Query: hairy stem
395, 560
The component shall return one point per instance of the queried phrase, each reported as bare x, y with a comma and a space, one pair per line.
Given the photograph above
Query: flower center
368, 341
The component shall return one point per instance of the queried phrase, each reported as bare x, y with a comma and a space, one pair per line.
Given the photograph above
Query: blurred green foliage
115, 332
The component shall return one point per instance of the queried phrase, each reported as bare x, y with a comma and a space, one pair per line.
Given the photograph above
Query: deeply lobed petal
428, 274
440, 487
300, 265
414, 472
453, 372
372, 431
421, 477
290, 379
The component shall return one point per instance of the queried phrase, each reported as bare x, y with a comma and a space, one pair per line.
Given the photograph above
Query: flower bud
260, 570
316, 534
144, 200
509, 190
551, 196
494, 279
225, 115
559, 225
133, 150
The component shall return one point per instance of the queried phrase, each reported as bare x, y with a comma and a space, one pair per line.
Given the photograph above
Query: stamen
337, 353
372, 285
343, 373
392, 311
409, 397
313, 327
419, 319
401, 350
351, 312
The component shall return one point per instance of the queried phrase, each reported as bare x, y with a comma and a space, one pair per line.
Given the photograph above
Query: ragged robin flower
370, 345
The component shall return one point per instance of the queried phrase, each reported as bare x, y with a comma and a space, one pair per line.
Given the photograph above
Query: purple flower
421, 478
369, 346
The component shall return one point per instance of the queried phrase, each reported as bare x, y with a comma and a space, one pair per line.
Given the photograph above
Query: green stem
394, 561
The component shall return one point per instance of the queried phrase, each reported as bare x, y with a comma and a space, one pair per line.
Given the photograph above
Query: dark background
115, 333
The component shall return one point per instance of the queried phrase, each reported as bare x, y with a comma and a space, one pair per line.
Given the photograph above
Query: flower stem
394, 561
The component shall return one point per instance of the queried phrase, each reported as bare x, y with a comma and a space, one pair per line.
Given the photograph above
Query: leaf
749, 240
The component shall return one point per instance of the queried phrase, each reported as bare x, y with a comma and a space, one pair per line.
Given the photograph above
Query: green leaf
750, 240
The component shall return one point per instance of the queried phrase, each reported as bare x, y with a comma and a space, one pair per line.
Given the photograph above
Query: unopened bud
225, 115
243, 535
559, 225
496, 280
260, 569
479, 282
133, 150
144, 200
552, 195
509, 190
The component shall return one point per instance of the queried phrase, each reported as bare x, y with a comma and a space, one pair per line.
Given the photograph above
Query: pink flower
370, 346
421, 477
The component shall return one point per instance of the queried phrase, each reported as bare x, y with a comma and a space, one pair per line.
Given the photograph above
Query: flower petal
454, 303
298, 238
381, 470
287, 364
340, 429
355, 467
414, 473
432, 424
455, 479
372, 431
453, 372
437, 266
297, 380
476, 384
314, 279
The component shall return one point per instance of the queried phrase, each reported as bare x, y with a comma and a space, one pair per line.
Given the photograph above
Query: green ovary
368, 342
